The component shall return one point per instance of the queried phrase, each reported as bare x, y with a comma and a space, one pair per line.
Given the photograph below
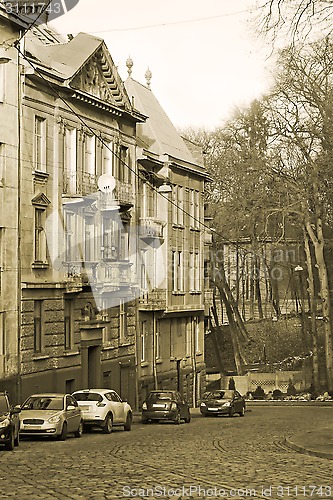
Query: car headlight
203, 404
227, 403
5, 423
173, 406
144, 406
55, 419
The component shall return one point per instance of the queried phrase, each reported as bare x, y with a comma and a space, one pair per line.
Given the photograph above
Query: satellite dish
106, 183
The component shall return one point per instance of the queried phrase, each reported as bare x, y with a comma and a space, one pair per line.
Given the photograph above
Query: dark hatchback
222, 402
9, 423
165, 405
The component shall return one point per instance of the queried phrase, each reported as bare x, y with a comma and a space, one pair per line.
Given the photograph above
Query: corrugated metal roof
158, 134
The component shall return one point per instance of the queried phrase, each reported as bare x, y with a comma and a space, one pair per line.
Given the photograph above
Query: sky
204, 57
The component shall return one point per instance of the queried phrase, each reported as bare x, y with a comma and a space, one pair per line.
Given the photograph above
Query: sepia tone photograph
166, 249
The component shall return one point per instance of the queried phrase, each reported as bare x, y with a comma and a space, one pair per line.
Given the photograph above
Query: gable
99, 78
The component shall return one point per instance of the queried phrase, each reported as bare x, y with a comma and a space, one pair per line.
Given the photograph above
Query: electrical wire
237, 246
43, 9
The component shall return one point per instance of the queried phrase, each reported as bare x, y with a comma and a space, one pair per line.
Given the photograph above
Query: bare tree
295, 20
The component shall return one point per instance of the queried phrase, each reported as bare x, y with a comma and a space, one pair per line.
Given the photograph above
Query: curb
305, 451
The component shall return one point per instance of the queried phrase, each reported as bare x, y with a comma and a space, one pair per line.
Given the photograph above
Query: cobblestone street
208, 458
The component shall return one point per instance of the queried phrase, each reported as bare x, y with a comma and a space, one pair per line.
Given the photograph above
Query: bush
259, 393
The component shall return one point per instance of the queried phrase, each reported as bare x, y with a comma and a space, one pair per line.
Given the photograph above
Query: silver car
51, 415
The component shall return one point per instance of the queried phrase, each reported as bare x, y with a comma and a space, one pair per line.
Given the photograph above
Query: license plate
158, 406
85, 408
213, 409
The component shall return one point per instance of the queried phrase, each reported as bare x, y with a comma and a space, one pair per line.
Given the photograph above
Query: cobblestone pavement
208, 458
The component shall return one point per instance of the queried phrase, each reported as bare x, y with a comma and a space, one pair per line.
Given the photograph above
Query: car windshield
160, 395
219, 395
3, 405
44, 403
88, 396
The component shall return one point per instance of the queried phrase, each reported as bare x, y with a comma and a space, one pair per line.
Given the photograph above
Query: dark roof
158, 134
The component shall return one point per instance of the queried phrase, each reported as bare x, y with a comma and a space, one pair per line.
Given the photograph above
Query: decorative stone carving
91, 81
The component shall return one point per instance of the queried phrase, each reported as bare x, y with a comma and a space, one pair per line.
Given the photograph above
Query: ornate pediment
99, 78
41, 200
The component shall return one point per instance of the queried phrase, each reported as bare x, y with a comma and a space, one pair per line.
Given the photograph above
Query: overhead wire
237, 246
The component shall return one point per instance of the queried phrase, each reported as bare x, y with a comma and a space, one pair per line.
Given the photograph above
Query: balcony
113, 275
123, 194
155, 300
89, 184
151, 228
79, 274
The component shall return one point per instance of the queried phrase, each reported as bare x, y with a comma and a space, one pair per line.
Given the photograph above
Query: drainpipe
19, 226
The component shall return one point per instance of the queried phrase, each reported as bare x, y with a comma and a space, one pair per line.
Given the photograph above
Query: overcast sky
203, 55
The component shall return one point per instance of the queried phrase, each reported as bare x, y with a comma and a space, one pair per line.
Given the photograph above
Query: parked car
51, 415
9, 423
165, 405
104, 408
222, 402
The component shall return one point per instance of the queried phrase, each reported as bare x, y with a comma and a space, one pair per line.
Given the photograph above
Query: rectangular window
122, 320
2, 82
197, 272
143, 341
2, 333
158, 340
1, 255
70, 160
90, 155
143, 271
2, 162
40, 144
197, 343
38, 326
40, 239
123, 167
188, 339
180, 271
110, 242
180, 206
196, 209
191, 272
69, 323
107, 158
89, 242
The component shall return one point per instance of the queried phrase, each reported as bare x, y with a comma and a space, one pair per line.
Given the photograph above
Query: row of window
192, 338
178, 271
181, 205
82, 156
69, 324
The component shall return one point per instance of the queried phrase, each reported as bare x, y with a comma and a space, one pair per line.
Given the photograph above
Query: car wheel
231, 412
107, 424
63, 434
177, 419
78, 433
17, 439
11, 443
144, 420
128, 423
188, 418
242, 413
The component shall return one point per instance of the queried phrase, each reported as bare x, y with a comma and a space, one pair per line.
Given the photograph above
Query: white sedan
103, 408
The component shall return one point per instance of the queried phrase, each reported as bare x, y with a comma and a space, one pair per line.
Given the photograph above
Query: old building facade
101, 237
171, 248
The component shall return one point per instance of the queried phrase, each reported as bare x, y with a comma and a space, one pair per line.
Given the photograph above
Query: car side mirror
70, 407
16, 409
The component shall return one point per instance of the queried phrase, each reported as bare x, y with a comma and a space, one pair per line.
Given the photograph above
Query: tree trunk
313, 313
318, 243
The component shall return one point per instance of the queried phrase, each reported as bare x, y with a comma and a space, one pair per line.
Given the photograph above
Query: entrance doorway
94, 366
